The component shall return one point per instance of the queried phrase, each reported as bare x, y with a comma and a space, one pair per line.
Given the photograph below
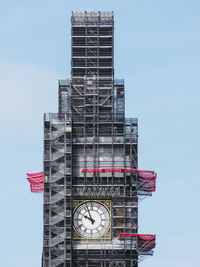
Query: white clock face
91, 219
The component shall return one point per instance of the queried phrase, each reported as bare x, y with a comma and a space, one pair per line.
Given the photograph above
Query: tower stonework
91, 175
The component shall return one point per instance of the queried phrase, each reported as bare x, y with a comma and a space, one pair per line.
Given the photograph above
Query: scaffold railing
146, 180
145, 243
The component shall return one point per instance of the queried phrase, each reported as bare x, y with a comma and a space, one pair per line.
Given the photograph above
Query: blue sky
157, 53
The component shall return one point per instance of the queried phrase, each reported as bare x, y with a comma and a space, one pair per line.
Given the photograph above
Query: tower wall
90, 132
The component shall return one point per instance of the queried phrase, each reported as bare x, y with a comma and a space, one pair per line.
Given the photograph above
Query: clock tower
91, 179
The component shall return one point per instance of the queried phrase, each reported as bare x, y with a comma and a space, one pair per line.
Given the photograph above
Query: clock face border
106, 204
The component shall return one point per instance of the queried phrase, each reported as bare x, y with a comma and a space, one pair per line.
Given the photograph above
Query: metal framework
90, 132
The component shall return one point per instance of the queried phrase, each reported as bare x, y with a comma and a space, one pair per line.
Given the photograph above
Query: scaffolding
144, 244
90, 154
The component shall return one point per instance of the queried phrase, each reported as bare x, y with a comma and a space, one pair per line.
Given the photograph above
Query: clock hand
92, 220
86, 217
88, 211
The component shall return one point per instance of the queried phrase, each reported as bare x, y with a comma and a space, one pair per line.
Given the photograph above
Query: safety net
145, 243
36, 181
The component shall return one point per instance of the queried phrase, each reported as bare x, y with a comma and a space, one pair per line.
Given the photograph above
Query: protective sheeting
145, 243
146, 183
36, 174
36, 188
36, 181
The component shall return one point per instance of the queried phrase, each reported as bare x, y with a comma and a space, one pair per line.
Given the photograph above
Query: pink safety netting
145, 242
36, 181
147, 183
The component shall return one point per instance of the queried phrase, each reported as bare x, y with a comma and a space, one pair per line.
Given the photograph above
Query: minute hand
92, 220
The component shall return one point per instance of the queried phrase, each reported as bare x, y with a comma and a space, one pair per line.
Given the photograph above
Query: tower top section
92, 45
102, 18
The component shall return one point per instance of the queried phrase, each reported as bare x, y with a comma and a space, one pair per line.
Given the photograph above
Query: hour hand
92, 220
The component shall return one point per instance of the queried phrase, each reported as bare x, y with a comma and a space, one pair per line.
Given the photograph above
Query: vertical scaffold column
57, 190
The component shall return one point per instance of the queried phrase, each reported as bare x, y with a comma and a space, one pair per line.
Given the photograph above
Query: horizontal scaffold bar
148, 174
141, 236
